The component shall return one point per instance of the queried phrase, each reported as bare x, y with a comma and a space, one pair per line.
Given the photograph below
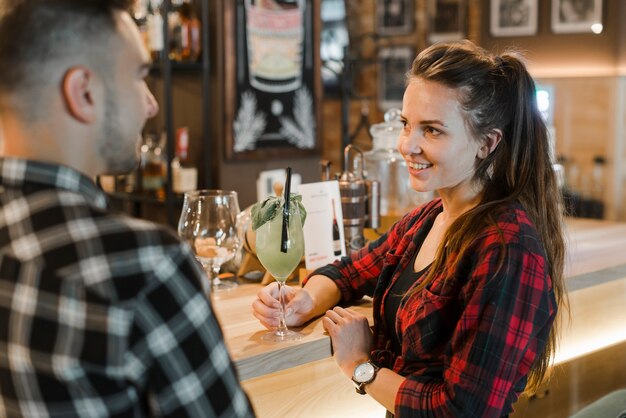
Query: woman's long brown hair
498, 93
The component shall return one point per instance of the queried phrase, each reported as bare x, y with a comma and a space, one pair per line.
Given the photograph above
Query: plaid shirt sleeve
176, 348
356, 275
504, 324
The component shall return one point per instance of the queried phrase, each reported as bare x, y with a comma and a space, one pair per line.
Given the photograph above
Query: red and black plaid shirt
471, 336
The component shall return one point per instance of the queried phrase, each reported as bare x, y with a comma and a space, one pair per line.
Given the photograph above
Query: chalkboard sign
272, 79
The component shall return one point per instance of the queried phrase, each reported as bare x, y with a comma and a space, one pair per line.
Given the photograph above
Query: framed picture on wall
395, 17
513, 17
271, 71
447, 20
393, 64
576, 16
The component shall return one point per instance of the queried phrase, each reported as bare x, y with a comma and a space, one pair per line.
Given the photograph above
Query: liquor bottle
151, 166
178, 36
155, 30
140, 15
190, 45
140, 10
184, 174
597, 188
336, 235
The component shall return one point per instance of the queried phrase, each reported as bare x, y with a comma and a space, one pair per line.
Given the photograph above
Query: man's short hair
36, 34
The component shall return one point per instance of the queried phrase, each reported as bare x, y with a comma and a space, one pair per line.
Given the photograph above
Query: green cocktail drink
278, 257
280, 264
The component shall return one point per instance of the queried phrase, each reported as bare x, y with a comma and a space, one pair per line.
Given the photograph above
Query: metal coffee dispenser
360, 199
385, 163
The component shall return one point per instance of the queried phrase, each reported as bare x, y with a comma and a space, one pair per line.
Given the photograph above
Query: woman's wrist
319, 307
349, 366
324, 295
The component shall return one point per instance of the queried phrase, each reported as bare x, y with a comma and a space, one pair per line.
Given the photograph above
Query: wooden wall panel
584, 118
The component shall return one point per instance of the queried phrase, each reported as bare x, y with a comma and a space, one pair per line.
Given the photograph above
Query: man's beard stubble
118, 157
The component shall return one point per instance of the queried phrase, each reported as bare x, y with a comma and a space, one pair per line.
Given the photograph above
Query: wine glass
281, 264
208, 222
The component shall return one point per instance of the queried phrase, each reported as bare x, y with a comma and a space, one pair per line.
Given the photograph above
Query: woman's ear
490, 143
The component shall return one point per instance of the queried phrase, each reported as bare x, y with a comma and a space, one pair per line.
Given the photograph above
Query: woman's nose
409, 144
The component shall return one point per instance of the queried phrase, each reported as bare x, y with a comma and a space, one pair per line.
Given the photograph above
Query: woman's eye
432, 131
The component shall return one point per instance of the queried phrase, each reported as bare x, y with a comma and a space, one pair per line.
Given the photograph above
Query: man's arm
177, 347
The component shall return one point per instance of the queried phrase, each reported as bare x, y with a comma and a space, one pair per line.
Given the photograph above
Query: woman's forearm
384, 388
324, 292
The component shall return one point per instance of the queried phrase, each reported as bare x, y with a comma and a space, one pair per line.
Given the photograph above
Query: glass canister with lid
385, 163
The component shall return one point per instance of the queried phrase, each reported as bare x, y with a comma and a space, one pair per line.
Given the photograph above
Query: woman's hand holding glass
299, 306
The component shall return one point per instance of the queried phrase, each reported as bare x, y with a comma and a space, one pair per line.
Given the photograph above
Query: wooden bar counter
300, 379
255, 357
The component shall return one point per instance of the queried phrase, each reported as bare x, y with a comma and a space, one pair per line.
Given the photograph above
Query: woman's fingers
341, 315
266, 322
261, 308
334, 316
269, 295
328, 325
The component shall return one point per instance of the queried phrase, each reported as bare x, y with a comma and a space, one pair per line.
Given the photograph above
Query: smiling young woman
466, 287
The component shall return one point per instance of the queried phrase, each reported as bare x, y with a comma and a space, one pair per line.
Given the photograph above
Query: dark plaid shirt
101, 315
471, 336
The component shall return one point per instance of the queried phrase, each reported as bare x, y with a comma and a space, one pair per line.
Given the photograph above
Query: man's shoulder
64, 237
147, 232
59, 217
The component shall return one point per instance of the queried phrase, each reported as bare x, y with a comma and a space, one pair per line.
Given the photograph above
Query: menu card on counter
323, 231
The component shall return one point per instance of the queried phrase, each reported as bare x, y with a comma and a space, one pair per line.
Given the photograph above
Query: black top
394, 299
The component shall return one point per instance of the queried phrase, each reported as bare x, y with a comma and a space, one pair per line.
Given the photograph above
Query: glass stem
215, 273
282, 324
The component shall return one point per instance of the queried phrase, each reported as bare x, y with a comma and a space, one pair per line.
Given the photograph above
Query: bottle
140, 15
178, 36
336, 235
597, 192
184, 174
140, 10
155, 30
190, 44
152, 163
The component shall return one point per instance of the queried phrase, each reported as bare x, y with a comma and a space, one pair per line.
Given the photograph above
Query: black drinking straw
284, 237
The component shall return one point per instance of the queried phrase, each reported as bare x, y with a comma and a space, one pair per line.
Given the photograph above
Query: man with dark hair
101, 315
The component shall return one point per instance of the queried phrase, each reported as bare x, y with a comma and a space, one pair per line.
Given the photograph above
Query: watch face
364, 372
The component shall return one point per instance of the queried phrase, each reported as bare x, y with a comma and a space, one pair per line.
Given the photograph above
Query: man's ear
490, 143
78, 94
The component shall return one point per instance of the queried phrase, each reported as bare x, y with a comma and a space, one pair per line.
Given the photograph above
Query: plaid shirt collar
18, 173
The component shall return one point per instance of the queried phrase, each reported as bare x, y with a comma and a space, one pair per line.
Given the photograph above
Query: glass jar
385, 163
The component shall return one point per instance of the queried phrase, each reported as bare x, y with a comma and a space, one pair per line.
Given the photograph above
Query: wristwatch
363, 374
